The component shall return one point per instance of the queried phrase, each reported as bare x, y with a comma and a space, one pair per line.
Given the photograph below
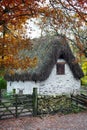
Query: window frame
60, 68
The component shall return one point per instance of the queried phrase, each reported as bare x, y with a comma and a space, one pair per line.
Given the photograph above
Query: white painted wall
54, 85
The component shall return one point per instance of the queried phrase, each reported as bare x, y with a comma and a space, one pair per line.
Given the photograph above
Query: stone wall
60, 84
54, 85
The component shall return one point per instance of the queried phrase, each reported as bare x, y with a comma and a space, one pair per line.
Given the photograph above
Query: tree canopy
13, 14
64, 17
68, 18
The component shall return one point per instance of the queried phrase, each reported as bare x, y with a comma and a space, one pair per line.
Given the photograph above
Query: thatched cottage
56, 71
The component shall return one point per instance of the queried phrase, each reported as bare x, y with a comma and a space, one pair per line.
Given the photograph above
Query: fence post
16, 107
34, 101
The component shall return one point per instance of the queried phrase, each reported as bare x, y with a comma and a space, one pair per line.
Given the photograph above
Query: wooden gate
19, 105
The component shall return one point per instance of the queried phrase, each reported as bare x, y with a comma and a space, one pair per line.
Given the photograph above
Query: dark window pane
60, 68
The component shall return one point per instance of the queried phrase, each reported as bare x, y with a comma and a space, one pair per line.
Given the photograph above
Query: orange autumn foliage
61, 14
13, 14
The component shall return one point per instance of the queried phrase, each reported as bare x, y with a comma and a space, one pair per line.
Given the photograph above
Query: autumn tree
13, 14
64, 17
69, 18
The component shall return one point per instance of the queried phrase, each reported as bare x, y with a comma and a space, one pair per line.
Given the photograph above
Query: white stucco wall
54, 85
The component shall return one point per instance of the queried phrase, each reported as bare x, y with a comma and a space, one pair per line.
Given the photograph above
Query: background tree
68, 18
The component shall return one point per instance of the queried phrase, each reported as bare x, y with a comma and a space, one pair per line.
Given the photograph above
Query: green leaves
3, 83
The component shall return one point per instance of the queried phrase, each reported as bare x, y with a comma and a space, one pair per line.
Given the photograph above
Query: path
48, 122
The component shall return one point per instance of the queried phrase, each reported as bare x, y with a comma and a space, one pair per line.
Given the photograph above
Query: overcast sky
33, 30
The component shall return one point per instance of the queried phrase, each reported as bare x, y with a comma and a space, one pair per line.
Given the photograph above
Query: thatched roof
48, 50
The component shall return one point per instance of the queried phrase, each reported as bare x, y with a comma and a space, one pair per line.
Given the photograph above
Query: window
60, 67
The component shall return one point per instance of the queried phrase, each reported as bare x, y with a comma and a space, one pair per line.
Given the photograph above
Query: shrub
84, 81
3, 83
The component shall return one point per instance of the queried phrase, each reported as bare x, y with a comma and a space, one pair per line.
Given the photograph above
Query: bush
84, 81
3, 83
7, 95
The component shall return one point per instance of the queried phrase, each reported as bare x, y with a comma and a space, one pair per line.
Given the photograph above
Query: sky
33, 30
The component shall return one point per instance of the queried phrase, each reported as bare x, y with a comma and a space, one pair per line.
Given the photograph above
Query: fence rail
80, 99
21, 105
18, 105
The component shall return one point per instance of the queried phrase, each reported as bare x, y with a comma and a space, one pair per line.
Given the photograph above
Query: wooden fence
80, 100
18, 105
